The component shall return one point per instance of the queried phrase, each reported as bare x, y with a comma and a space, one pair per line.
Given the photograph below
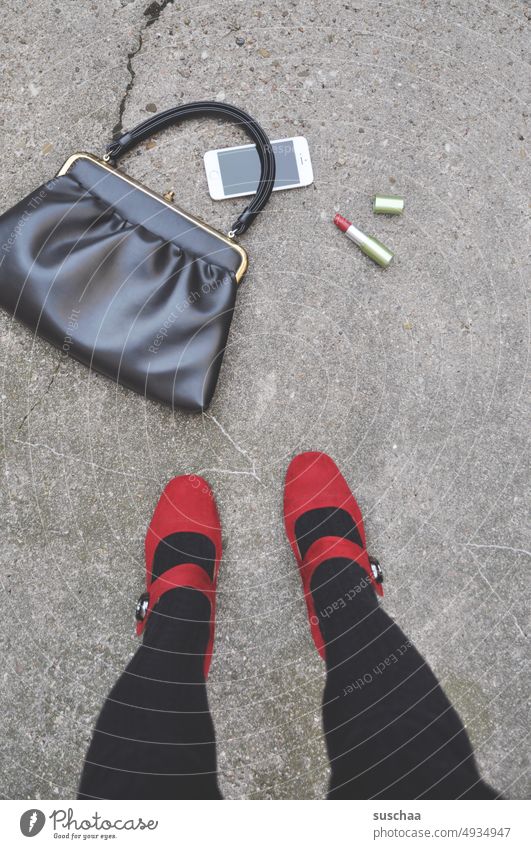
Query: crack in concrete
215, 469
119, 127
74, 459
152, 14
238, 448
498, 547
40, 399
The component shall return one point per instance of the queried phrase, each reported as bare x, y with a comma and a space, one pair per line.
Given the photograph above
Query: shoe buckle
376, 570
141, 608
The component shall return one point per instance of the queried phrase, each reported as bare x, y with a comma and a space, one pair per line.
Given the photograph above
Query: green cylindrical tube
376, 251
388, 204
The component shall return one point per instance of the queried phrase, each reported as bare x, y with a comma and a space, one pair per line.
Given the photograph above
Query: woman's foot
183, 550
323, 523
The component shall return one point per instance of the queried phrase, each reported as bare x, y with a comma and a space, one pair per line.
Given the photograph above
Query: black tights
154, 738
391, 732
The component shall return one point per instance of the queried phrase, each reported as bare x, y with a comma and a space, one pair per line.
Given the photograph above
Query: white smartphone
234, 172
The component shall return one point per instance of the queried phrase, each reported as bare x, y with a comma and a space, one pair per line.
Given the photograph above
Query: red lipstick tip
341, 222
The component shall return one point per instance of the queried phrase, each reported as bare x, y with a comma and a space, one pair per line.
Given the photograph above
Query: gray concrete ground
412, 378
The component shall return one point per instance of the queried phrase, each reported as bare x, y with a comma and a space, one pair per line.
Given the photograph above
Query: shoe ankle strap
331, 547
184, 575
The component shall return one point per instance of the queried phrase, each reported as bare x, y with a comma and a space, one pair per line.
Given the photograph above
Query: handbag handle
209, 108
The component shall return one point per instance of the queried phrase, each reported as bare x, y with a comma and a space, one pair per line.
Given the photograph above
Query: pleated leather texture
121, 282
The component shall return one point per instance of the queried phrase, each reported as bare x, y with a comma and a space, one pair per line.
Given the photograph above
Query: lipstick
370, 246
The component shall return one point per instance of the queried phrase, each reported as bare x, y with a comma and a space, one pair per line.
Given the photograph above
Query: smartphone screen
240, 169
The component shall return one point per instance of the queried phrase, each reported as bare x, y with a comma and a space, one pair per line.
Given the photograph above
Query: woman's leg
154, 738
391, 732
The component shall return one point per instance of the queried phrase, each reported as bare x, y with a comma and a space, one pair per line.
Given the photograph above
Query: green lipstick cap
388, 204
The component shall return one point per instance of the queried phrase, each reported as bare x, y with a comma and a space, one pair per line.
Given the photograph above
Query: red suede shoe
186, 505
313, 481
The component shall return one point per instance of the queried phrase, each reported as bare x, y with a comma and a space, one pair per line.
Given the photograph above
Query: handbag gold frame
197, 221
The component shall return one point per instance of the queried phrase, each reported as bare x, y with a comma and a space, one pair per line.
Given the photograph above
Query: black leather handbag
121, 279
